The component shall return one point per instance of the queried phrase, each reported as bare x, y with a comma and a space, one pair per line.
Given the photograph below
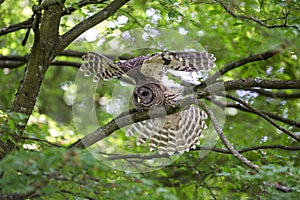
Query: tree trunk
43, 51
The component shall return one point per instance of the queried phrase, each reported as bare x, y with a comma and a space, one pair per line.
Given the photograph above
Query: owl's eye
143, 96
145, 93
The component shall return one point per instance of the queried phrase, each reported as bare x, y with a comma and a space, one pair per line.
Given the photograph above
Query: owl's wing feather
153, 66
191, 125
157, 65
194, 61
100, 66
179, 133
144, 129
104, 68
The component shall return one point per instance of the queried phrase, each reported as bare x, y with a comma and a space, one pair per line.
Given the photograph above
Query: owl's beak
139, 100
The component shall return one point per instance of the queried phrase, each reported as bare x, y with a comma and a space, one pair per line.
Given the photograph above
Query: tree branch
15, 27
252, 58
274, 95
66, 63
80, 4
243, 108
90, 22
257, 82
46, 4
43, 141
263, 116
224, 140
246, 83
127, 118
16, 61
46, 29
256, 20
124, 120
200, 148
28, 23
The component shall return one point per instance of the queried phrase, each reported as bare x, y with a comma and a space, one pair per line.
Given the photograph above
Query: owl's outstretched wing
180, 132
152, 66
103, 68
158, 63
100, 66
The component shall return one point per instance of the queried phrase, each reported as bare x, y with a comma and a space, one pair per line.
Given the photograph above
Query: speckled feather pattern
176, 133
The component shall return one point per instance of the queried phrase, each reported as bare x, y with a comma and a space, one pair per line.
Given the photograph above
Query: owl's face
147, 95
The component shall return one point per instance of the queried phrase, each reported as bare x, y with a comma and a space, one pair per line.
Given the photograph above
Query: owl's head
147, 95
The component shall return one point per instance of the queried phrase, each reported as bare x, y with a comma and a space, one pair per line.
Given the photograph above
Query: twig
274, 95
28, 23
66, 63
80, 4
199, 148
15, 27
252, 58
247, 149
88, 23
256, 20
263, 116
15, 61
43, 141
225, 141
243, 108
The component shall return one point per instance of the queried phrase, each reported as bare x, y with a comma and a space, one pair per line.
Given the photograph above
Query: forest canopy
52, 146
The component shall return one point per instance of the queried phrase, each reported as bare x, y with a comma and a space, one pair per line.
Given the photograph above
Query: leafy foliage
43, 167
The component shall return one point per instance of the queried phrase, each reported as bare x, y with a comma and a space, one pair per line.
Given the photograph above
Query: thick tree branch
46, 28
90, 22
262, 83
127, 118
44, 5
246, 83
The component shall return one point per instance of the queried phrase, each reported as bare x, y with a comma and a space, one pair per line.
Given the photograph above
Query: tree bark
47, 45
46, 37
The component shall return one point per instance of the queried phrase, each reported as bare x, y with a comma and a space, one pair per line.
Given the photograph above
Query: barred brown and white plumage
153, 65
178, 132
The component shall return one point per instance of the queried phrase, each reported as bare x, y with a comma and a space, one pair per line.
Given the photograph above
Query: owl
175, 133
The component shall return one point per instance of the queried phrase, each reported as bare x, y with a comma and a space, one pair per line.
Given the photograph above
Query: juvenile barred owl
178, 132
